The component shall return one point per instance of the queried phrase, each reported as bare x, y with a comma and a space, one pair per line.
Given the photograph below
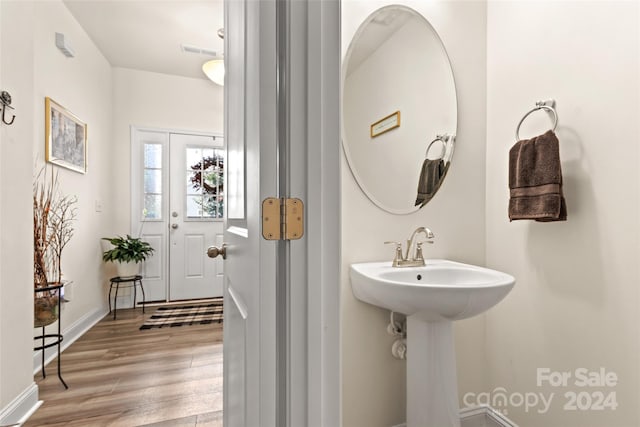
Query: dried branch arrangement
53, 216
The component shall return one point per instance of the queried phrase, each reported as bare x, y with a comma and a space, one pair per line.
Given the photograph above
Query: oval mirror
399, 110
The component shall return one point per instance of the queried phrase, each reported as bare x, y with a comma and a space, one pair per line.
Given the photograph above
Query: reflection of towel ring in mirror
441, 138
548, 105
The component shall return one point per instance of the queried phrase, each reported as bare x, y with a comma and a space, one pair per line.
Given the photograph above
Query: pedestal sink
431, 297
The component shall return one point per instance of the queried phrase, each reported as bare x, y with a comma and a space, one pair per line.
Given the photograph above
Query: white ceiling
147, 34
371, 35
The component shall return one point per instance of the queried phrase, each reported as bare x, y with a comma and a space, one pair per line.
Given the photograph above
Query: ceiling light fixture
214, 69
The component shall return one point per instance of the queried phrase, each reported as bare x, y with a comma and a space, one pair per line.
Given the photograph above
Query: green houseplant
127, 253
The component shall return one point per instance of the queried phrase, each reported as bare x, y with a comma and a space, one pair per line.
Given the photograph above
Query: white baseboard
489, 412
485, 410
71, 334
22, 407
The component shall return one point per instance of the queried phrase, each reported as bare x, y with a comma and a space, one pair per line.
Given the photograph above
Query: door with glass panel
177, 205
196, 211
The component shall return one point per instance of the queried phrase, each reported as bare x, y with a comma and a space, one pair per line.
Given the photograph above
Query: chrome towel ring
548, 105
442, 138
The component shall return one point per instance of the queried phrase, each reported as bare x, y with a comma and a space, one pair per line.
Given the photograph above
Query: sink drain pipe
398, 329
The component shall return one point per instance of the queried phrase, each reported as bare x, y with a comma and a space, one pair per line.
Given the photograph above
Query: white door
281, 326
195, 215
149, 192
250, 265
177, 206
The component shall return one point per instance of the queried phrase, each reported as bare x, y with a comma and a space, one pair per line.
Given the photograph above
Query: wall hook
5, 99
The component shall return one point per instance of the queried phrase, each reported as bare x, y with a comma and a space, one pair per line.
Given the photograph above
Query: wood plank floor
121, 376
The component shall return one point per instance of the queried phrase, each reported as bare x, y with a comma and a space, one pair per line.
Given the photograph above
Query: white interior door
281, 321
195, 215
250, 265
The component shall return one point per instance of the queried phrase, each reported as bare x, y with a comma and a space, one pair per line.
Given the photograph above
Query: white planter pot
128, 269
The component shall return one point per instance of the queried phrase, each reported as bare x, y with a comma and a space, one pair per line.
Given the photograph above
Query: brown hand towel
535, 180
429, 182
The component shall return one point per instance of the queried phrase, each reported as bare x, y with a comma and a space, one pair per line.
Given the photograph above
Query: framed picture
385, 124
66, 137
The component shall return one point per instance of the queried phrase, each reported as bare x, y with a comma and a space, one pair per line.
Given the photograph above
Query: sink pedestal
432, 388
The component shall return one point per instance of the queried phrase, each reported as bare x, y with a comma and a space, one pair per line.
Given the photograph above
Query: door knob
174, 226
214, 251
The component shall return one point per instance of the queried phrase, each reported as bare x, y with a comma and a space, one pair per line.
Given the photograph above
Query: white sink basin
441, 290
432, 297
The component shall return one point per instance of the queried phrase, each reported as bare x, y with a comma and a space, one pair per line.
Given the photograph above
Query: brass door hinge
282, 219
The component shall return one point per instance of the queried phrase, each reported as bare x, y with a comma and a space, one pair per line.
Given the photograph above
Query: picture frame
385, 124
65, 138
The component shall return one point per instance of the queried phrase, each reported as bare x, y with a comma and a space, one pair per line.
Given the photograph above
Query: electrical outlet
98, 205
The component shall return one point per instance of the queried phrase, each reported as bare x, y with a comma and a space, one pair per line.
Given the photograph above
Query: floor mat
185, 315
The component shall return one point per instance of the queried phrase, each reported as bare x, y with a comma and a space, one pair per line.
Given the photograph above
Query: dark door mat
185, 315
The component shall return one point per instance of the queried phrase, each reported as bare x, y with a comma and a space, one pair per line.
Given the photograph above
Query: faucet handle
424, 241
418, 256
398, 257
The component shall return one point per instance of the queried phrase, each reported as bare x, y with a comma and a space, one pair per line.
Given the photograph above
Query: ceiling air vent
189, 48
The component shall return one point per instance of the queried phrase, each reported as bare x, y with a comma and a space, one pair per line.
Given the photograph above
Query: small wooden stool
131, 281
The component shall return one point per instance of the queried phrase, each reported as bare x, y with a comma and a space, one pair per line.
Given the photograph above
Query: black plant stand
57, 338
131, 282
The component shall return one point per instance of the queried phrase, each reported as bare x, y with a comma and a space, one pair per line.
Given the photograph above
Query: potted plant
53, 216
127, 253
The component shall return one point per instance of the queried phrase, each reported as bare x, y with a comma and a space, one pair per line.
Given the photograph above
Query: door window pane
194, 206
220, 207
212, 182
204, 186
210, 207
194, 156
209, 158
194, 184
152, 181
153, 156
152, 206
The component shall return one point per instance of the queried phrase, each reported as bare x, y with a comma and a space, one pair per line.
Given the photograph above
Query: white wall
16, 229
159, 101
575, 302
373, 382
82, 85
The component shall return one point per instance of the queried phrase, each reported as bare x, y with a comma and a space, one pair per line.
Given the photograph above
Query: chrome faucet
403, 260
